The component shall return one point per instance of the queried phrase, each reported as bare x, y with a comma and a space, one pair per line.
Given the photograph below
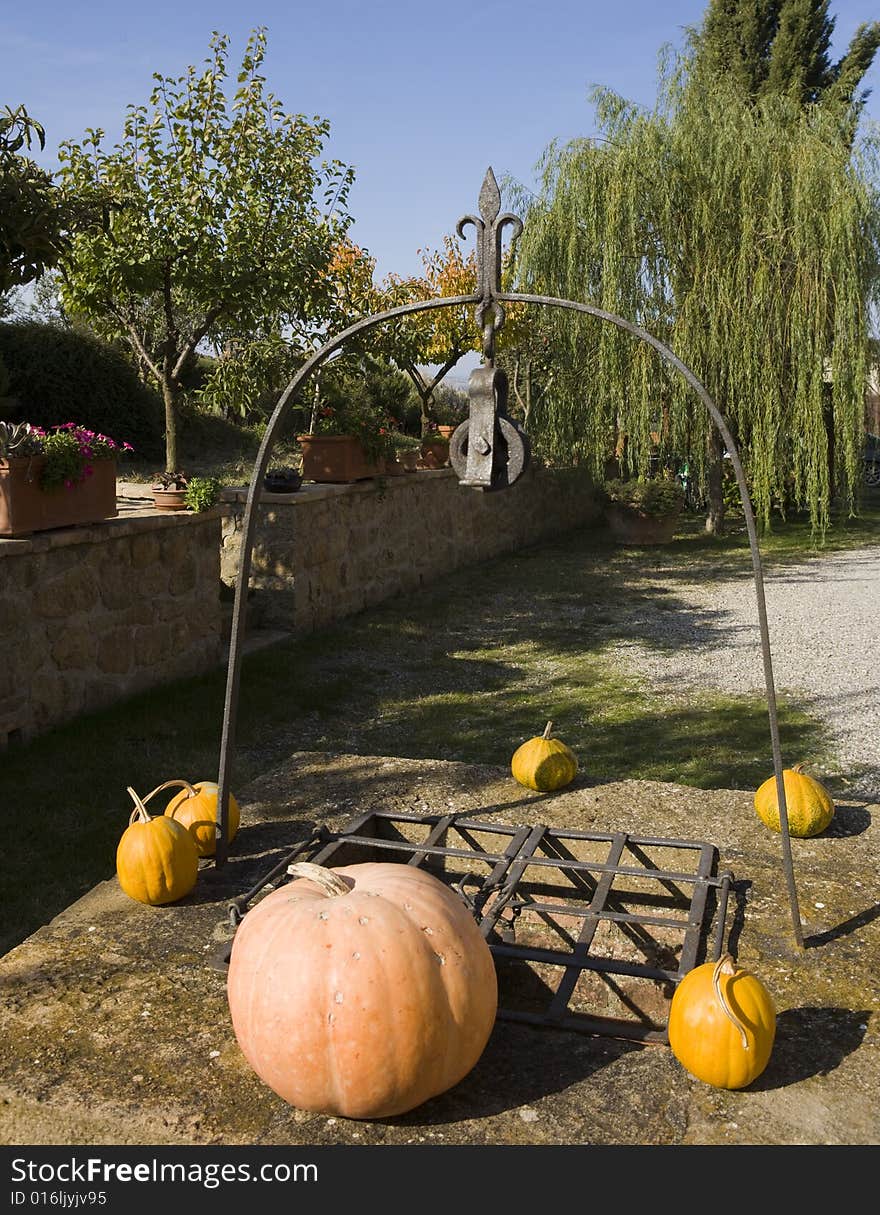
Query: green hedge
62, 375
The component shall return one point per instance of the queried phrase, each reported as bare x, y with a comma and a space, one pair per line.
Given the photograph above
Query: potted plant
643, 511
435, 448
450, 406
282, 480
169, 491
55, 478
348, 442
408, 450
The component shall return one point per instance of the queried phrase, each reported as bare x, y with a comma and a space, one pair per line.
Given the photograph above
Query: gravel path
824, 623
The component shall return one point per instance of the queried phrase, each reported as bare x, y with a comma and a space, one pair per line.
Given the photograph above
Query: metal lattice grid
589, 931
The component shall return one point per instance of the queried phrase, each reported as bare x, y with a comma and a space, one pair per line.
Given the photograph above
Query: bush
657, 497
451, 405
202, 493
58, 375
203, 433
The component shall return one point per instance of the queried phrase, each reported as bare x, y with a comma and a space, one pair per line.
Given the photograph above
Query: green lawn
465, 670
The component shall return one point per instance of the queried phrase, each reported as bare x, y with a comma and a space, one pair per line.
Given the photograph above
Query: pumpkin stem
172, 784
139, 814
726, 965
331, 883
547, 729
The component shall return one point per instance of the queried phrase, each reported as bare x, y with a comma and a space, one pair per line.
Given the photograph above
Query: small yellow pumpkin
195, 807
157, 860
722, 1024
809, 804
544, 763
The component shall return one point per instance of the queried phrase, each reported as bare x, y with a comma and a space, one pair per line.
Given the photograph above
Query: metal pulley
489, 450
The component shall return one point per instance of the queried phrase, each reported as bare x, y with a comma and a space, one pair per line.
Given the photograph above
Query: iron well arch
489, 301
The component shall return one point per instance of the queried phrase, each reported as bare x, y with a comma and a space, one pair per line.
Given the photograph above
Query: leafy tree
526, 353
251, 372
382, 389
772, 47
428, 345
743, 232
767, 48
33, 215
215, 236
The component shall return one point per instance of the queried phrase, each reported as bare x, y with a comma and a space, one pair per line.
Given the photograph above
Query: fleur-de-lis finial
489, 225
490, 198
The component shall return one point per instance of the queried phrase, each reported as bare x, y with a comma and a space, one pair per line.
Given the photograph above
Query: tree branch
417, 378
196, 336
135, 339
447, 366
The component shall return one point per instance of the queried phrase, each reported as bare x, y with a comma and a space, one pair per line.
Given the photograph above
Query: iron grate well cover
589, 931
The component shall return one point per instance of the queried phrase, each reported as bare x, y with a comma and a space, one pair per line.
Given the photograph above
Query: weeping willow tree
744, 235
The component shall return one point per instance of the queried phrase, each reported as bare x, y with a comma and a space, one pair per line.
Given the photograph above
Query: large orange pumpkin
361, 991
722, 1024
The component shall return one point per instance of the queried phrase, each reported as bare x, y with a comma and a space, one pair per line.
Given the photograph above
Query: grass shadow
464, 670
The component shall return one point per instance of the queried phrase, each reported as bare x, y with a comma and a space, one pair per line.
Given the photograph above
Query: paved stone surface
116, 1028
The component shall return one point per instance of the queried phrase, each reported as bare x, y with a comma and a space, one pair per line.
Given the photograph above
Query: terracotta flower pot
336, 458
26, 507
438, 450
169, 499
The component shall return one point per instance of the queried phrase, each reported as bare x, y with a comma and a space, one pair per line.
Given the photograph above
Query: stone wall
89, 615
330, 550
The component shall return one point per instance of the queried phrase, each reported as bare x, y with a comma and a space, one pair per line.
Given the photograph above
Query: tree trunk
828, 418
715, 485
169, 396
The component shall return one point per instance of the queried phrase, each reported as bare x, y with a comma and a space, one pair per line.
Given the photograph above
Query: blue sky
420, 97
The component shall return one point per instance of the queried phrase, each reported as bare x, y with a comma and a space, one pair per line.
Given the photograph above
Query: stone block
145, 550
139, 611
75, 590
75, 648
54, 698
154, 581
115, 651
11, 616
152, 644
182, 580
19, 573
117, 586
